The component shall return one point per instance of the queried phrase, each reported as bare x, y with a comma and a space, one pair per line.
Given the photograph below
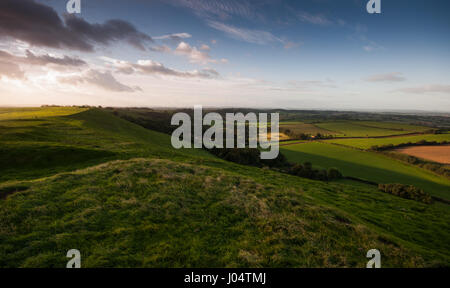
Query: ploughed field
86, 179
440, 154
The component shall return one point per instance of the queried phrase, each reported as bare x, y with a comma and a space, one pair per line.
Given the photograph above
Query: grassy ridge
161, 213
43, 146
368, 165
160, 207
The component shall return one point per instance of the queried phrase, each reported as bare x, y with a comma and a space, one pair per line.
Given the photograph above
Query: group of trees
407, 192
303, 136
251, 157
420, 143
306, 171
438, 168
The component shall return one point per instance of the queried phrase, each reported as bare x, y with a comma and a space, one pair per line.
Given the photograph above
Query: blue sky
311, 54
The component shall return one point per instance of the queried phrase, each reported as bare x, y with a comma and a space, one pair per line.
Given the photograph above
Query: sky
308, 54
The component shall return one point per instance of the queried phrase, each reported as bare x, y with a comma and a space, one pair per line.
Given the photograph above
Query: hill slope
150, 205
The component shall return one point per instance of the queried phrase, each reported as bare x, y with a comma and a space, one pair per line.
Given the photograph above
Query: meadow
306, 128
124, 197
368, 129
369, 166
367, 143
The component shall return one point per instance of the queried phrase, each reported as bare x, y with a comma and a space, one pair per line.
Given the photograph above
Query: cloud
372, 46
41, 60
311, 84
316, 19
160, 48
433, 88
291, 45
194, 54
205, 47
222, 9
40, 25
104, 80
389, 77
247, 35
10, 70
174, 38
150, 67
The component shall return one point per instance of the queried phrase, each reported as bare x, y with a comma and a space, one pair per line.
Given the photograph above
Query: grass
144, 204
369, 142
368, 165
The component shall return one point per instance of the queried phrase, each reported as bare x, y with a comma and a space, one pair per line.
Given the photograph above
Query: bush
334, 174
406, 191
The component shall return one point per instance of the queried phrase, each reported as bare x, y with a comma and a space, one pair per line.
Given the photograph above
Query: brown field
440, 154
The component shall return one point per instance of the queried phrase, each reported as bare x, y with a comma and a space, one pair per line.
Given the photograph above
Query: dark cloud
40, 25
41, 60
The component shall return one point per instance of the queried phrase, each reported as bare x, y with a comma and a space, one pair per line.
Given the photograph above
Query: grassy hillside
45, 145
368, 165
125, 198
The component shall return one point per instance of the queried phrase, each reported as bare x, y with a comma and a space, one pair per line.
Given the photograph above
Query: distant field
440, 154
369, 142
367, 165
368, 129
33, 113
306, 128
394, 126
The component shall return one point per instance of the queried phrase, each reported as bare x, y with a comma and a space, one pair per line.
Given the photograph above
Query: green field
367, 143
33, 113
368, 166
368, 129
394, 126
306, 128
121, 195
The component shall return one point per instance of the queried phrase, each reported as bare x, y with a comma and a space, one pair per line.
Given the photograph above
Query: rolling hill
125, 198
